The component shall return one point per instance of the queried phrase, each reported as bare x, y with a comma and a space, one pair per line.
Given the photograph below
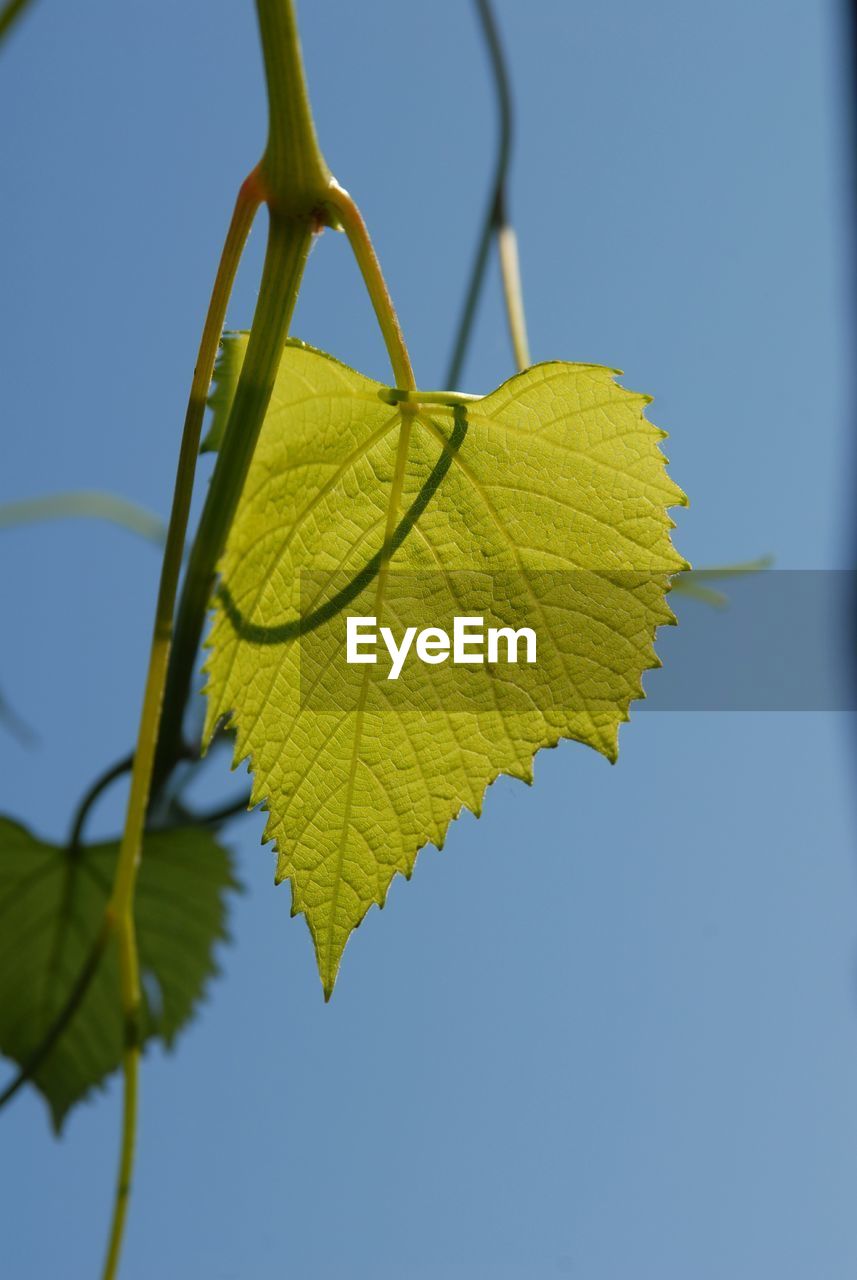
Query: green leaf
51, 908
541, 505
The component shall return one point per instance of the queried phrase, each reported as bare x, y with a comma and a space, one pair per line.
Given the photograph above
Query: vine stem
120, 909
293, 178
495, 221
295, 183
289, 241
131, 1077
99, 786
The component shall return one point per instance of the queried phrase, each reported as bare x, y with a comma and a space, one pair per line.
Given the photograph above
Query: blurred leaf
51, 909
555, 482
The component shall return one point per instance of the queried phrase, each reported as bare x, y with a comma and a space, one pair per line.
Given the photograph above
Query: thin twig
9, 15
88, 503
214, 817
495, 221
89, 798
131, 1073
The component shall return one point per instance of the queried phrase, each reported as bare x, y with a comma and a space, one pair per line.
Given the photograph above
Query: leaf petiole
351, 220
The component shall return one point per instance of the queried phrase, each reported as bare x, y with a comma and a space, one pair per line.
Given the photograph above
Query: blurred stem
9, 15
85, 502
214, 817
693, 582
131, 1076
100, 785
15, 724
495, 221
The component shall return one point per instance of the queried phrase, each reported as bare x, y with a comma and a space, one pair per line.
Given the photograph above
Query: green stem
131, 1076
294, 169
244, 209
294, 181
120, 909
302, 197
89, 798
288, 247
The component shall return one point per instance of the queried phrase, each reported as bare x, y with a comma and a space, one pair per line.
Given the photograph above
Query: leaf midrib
394, 500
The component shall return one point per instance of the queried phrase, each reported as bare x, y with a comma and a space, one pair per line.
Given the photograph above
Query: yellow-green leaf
542, 505
52, 905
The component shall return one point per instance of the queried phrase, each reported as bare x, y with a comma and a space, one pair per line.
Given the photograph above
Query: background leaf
51, 908
543, 504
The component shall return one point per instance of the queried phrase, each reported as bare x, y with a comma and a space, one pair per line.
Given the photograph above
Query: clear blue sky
611, 1031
